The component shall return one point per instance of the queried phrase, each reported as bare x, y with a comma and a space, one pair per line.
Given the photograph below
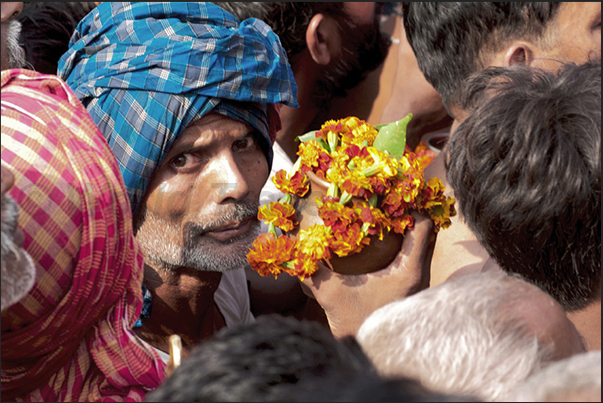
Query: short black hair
289, 20
450, 38
525, 167
364, 50
46, 30
272, 359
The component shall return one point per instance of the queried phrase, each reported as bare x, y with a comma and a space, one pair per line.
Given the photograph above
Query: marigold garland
375, 182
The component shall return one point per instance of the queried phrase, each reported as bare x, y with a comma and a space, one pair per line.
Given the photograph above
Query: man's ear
322, 39
519, 53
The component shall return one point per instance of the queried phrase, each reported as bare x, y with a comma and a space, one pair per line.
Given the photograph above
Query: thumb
417, 248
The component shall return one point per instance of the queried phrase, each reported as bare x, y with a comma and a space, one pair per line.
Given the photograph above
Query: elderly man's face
13, 56
200, 210
18, 269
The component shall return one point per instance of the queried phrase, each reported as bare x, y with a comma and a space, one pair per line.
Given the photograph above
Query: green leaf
392, 137
311, 135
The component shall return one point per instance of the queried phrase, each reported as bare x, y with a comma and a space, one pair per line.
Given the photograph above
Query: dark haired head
46, 30
525, 167
272, 359
363, 50
451, 39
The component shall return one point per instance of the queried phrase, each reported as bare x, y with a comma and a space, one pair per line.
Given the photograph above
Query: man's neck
588, 323
183, 304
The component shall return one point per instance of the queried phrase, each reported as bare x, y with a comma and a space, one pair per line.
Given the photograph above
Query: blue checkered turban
145, 71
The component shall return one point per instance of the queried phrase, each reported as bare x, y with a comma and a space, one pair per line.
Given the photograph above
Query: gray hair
460, 337
16, 54
18, 277
574, 379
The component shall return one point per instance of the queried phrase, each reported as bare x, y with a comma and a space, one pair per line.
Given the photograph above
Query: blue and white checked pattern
145, 71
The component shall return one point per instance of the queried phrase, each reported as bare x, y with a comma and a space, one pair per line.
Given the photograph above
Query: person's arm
349, 299
411, 93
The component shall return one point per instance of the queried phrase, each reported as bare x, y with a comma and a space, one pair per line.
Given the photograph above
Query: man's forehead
211, 128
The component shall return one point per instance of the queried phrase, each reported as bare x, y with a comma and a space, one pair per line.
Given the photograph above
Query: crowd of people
139, 140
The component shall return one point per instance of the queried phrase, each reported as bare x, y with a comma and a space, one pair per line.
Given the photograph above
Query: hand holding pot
348, 299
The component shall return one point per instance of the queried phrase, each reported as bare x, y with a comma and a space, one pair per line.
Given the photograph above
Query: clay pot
373, 257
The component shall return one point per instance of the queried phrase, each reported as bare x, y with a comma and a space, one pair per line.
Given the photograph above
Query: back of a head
289, 20
273, 359
355, 43
452, 39
364, 388
466, 336
575, 379
525, 167
46, 30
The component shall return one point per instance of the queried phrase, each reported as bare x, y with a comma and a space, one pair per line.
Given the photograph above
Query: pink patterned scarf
70, 338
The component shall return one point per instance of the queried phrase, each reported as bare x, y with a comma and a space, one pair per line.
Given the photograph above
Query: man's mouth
231, 230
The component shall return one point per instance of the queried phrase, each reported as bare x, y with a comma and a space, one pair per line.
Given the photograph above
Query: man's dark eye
179, 161
244, 143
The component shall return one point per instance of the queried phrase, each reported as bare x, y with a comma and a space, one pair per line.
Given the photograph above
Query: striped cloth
145, 71
70, 338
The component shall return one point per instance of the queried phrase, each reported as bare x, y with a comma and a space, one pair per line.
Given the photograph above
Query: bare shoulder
457, 247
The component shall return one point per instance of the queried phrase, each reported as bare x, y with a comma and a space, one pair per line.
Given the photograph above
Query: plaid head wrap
70, 338
145, 71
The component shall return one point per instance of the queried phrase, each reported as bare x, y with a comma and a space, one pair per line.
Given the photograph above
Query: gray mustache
240, 212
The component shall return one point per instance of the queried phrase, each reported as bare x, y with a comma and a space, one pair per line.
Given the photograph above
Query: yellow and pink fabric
70, 338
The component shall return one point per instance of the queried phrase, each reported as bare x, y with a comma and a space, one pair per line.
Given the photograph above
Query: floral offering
374, 182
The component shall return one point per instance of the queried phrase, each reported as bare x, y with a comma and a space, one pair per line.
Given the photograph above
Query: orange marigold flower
315, 157
296, 184
433, 193
302, 265
281, 215
351, 122
335, 215
314, 241
402, 223
423, 154
371, 193
267, 254
338, 169
310, 151
379, 223
359, 132
357, 185
441, 213
350, 241
336, 126
401, 197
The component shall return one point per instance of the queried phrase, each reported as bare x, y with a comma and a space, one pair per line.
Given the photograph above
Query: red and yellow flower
268, 254
376, 181
296, 185
281, 215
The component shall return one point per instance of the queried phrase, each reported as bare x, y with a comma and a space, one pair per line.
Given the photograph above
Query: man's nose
228, 181
10, 9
